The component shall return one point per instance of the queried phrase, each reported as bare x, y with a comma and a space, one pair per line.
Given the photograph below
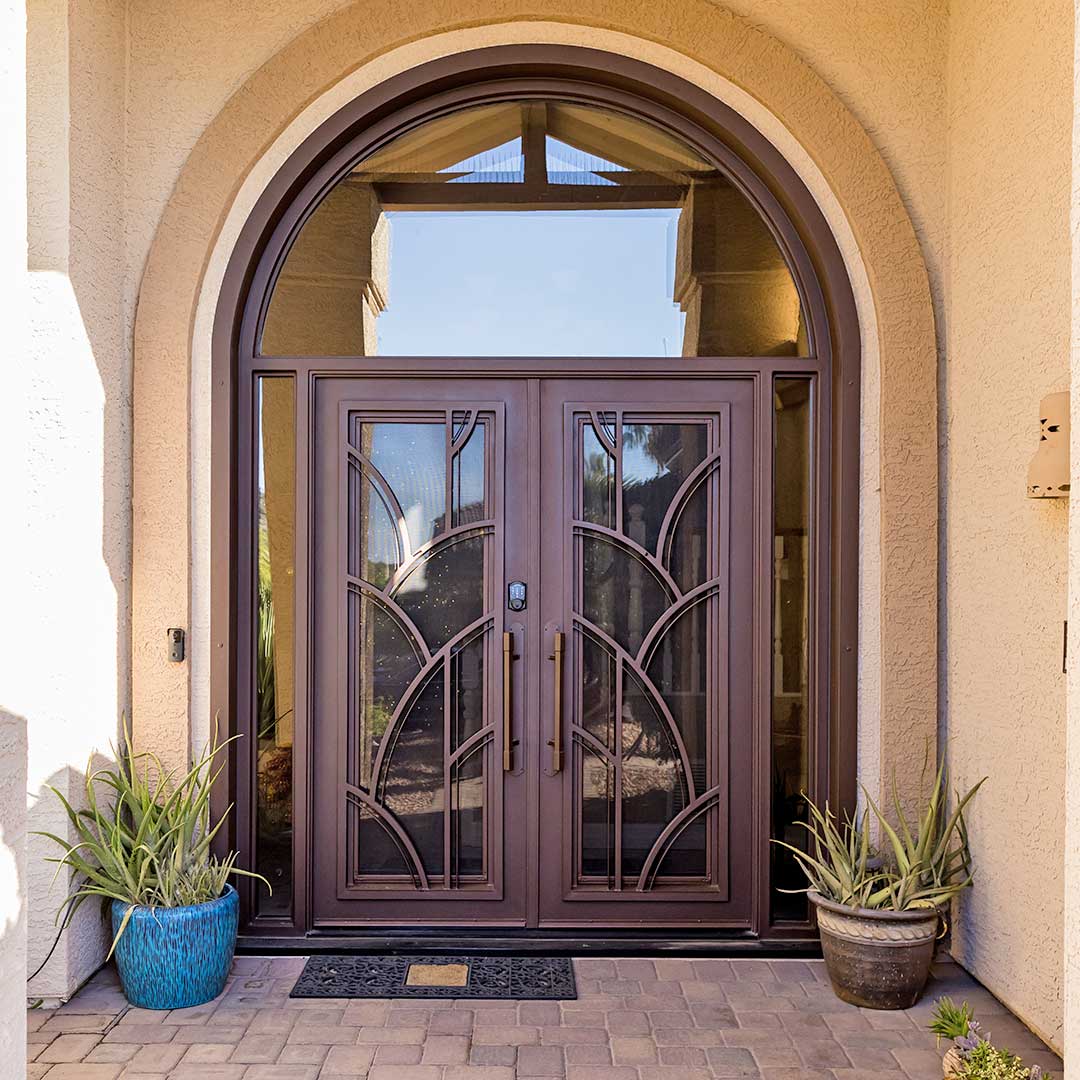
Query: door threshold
699, 945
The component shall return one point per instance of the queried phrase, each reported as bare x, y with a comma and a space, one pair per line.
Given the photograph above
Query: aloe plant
924, 868
145, 835
949, 1020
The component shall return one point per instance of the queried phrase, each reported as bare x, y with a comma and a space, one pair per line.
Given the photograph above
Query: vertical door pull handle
508, 701
556, 742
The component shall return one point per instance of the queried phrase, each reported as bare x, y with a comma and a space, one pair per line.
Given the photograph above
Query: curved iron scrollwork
670, 473
428, 766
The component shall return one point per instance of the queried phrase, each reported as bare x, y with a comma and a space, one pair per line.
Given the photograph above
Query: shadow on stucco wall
83, 945
13, 901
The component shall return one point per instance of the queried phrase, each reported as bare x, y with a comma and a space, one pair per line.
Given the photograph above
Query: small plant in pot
971, 1055
879, 912
142, 845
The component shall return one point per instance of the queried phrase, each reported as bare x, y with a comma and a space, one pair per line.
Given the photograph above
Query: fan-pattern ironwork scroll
418, 597
647, 583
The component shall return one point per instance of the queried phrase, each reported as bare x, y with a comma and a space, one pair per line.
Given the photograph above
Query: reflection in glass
653, 790
597, 780
688, 544
467, 777
657, 458
445, 593
598, 489
790, 674
467, 815
378, 532
468, 480
535, 229
679, 671
652, 719
412, 782
402, 608
622, 595
388, 664
275, 639
597, 691
411, 458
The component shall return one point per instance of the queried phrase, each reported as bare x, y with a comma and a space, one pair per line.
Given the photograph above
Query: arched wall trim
243, 148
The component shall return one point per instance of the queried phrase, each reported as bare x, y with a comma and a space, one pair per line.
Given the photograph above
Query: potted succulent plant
879, 912
142, 845
971, 1055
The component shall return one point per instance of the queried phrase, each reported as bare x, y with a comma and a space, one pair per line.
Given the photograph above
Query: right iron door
647, 702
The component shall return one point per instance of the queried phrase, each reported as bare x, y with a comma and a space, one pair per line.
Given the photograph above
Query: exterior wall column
1071, 794
15, 407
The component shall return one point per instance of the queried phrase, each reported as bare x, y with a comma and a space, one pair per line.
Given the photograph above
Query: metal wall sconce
1048, 473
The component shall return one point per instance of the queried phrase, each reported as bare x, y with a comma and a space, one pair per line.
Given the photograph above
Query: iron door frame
503, 901
398, 103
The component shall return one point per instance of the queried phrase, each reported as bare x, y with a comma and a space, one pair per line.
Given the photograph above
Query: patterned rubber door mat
513, 978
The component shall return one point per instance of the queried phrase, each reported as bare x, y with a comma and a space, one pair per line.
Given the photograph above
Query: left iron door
419, 752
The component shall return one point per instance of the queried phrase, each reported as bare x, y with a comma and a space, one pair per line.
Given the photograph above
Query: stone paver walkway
663, 1019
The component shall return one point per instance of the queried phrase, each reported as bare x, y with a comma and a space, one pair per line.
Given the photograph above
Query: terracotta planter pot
876, 959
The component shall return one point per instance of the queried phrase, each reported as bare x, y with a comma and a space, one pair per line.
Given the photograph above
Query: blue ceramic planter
173, 958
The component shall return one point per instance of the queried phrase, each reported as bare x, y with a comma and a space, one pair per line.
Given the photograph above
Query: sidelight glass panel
275, 684
535, 228
792, 761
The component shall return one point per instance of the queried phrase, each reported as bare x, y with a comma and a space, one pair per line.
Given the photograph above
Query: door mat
514, 978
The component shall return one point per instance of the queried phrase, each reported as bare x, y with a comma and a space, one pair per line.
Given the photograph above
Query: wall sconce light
1048, 473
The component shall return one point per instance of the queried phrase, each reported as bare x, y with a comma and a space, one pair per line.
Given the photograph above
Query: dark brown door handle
556, 719
508, 701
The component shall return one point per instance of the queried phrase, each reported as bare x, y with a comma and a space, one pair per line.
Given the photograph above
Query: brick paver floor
662, 1019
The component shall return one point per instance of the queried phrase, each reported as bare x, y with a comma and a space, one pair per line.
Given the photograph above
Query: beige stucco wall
67, 668
1004, 573
13, 893
166, 118
1071, 1029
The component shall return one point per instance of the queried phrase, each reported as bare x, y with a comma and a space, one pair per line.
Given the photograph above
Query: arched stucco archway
755, 74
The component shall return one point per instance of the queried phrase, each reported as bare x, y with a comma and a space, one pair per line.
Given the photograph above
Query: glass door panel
410, 718
652, 485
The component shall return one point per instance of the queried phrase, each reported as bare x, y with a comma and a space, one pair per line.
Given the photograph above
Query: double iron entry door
532, 651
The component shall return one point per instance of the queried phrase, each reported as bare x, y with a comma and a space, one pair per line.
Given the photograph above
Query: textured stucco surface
136, 160
763, 69
1007, 295
13, 891
13, 899
1071, 1033
69, 660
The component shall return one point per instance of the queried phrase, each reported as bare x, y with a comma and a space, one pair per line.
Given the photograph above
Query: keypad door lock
515, 596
